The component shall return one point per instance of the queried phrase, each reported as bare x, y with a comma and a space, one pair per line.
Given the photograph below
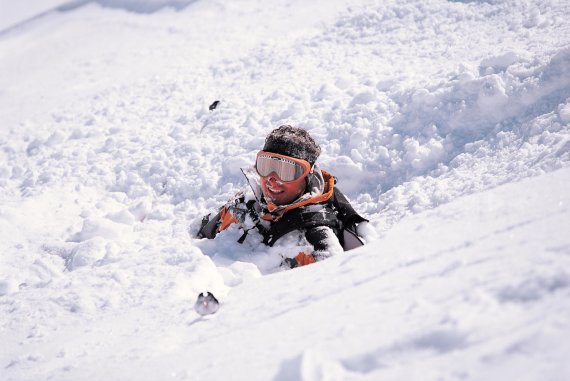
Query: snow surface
447, 123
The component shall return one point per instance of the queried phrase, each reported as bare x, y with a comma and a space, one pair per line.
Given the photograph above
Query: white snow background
447, 124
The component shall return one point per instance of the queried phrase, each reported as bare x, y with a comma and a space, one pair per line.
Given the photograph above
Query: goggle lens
286, 170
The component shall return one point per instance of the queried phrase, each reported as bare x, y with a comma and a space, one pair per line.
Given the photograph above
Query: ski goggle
287, 168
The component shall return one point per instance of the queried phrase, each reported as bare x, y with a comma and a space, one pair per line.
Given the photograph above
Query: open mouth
276, 191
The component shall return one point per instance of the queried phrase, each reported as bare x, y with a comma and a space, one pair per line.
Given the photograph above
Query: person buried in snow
291, 197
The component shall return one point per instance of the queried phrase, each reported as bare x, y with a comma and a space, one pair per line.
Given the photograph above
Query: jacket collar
319, 189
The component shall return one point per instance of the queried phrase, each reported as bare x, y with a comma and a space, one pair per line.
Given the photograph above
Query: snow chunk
422, 157
564, 112
238, 272
500, 62
87, 253
8, 286
362, 98
310, 365
346, 169
326, 91
492, 95
141, 209
55, 138
102, 227
122, 217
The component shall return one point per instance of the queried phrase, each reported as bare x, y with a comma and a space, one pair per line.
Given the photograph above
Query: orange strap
304, 259
329, 191
226, 219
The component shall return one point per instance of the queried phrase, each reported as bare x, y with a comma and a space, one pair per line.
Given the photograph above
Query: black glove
289, 263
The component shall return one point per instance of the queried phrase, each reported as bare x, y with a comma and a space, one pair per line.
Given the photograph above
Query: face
279, 192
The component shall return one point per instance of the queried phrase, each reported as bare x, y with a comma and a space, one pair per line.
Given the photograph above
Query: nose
272, 179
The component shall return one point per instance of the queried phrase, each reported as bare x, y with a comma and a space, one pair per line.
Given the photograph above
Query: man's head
288, 143
292, 141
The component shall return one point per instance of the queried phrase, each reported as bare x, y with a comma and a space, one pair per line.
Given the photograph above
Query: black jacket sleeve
209, 227
324, 241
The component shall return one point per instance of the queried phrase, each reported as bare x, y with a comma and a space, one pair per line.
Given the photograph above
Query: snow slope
481, 292
109, 157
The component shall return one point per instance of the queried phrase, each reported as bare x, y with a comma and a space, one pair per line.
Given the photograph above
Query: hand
301, 259
289, 263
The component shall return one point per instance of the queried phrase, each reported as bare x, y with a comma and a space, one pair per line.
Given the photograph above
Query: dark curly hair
292, 141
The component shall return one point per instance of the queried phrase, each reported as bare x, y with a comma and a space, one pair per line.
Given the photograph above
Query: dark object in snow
289, 263
292, 141
206, 304
214, 105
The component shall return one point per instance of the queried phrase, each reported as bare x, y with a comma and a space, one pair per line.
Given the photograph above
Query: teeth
274, 190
